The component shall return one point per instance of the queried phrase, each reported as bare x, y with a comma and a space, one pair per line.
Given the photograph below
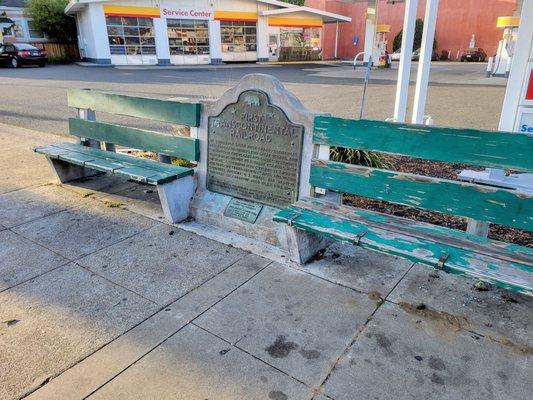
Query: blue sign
356, 40
524, 128
526, 121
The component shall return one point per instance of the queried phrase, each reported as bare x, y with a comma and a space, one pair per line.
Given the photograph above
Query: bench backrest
140, 107
468, 146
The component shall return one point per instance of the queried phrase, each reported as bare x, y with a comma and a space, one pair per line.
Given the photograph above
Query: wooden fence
60, 51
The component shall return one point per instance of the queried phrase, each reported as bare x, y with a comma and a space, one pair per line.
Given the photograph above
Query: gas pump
517, 110
380, 53
500, 65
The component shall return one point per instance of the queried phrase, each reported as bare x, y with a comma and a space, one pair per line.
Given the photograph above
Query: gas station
513, 60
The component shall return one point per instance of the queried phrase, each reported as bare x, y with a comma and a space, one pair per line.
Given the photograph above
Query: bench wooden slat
488, 261
490, 204
122, 159
78, 158
140, 170
141, 107
176, 146
145, 175
104, 165
439, 234
469, 146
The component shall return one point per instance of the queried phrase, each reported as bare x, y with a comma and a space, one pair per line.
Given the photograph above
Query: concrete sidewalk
100, 299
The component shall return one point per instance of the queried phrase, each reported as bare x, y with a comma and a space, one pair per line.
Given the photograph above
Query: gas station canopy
303, 11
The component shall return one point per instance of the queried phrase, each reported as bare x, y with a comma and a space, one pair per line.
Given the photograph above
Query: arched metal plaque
254, 151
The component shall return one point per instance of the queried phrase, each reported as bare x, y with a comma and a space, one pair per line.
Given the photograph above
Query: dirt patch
375, 296
519, 349
309, 354
442, 321
437, 170
281, 348
277, 395
113, 204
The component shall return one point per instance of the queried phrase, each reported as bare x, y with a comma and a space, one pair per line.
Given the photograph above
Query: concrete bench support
176, 197
303, 246
68, 172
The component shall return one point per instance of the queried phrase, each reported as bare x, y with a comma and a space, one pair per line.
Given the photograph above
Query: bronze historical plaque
254, 151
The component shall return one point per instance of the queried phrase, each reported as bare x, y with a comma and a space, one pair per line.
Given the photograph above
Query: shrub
358, 157
49, 17
60, 60
417, 41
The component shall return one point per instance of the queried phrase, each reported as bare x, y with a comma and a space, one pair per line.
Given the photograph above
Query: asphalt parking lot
459, 94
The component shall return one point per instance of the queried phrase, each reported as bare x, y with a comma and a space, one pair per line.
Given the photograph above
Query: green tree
49, 17
297, 2
417, 41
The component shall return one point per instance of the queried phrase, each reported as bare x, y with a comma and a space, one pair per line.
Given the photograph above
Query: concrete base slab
422, 355
57, 319
208, 208
291, 320
162, 263
193, 364
15, 269
490, 311
21, 206
360, 269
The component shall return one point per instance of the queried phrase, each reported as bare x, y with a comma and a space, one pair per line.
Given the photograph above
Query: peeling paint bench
312, 223
95, 150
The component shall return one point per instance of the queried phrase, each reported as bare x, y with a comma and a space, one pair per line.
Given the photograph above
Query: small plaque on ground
243, 210
254, 151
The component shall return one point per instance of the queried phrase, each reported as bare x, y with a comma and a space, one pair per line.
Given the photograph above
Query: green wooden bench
313, 222
95, 150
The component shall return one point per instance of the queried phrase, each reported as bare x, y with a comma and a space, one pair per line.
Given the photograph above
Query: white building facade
185, 32
21, 30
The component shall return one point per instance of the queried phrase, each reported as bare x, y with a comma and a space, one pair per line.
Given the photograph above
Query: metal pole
424, 65
365, 85
404, 69
336, 39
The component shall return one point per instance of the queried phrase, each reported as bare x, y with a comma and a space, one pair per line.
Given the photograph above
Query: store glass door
273, 47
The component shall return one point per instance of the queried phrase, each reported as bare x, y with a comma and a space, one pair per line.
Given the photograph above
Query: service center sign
187, 13
526, 121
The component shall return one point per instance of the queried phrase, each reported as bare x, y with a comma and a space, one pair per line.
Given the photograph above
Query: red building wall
457, 20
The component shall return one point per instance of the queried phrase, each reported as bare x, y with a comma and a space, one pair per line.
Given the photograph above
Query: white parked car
396, 55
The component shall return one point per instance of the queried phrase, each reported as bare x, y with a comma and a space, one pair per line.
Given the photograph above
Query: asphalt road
459, 95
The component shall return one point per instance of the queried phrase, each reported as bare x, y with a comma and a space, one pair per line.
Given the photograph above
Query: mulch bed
438, 170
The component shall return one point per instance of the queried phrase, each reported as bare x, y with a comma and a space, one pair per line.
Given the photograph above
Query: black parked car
474, 54
19, 54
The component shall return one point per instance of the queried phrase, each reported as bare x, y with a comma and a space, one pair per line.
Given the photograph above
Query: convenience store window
188, 36
300, 37
34, 32
131, 35
238, 36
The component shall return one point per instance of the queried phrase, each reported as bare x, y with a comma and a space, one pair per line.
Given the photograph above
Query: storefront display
195, 32
131, 40
188, 41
